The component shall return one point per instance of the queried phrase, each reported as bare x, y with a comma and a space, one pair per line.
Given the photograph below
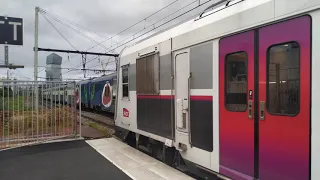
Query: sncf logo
125, 112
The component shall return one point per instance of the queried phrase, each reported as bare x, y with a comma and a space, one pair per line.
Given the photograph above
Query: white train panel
284, 7
315, 102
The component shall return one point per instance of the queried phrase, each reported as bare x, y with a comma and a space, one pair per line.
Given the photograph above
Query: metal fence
35, 112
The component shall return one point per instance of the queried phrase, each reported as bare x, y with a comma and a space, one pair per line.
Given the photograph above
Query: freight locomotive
232, 93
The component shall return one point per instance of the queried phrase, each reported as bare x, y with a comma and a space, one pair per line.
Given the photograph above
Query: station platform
134, 163
82, 160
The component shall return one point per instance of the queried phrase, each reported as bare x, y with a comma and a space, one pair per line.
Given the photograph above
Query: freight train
230, 94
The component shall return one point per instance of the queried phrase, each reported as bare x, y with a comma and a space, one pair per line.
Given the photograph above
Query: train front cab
243, 105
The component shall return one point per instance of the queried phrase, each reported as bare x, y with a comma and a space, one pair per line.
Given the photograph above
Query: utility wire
58, 18
45, 13
59, 78
72, 28
88, 67
20, 75
73, 23
73, 68
51, 15
163, 23
59, 32
144, 19
155, 27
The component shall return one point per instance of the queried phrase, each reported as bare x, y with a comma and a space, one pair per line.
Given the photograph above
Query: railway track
104, 119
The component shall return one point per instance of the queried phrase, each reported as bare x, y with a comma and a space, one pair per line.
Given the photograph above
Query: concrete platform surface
134, 163
68, 160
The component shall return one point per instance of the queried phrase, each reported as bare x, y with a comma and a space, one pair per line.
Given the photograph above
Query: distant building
53, 67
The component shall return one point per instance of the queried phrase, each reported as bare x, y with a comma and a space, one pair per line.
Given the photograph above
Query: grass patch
15, 103
60, 119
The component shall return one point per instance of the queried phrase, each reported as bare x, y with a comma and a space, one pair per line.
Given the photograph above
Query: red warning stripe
193, 98
201, 98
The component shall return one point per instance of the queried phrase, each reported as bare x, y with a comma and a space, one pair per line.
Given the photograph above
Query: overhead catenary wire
88, 68
155, 27
73, 23
60, 34
75, 69
60, 19
21, 75
59, 78
162, 24
144, 19
44, 14
72, 28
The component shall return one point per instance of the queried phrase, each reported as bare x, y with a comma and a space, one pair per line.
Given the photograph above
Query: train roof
216, 20
217, 14
104, 77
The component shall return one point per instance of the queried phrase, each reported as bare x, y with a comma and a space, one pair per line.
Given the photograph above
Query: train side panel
259, 117
95, 94
315, 96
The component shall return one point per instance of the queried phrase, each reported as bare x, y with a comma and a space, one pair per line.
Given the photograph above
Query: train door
284, 100
236, 85
182, 75
265, 102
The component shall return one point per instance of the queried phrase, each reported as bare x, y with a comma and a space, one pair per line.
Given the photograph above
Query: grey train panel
201, 65
132, 77
165, 72
154, 115
201, 121
167, 116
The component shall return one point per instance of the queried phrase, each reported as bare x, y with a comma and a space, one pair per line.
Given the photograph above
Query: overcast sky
104, 17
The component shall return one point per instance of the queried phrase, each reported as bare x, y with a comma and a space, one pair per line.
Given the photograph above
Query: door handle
250, 109
262, 113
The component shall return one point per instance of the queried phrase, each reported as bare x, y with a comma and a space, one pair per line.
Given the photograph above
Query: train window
148, 70
283, 79
125, 81
236, 68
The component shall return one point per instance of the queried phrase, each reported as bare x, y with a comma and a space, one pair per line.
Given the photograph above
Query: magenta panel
284, 140
236, 129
